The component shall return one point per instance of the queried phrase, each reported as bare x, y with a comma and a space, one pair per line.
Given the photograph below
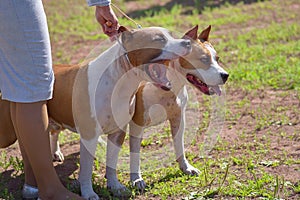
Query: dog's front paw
58, 156
119, 190
93, 196
139, 184
87, 191
190, 170
137, 181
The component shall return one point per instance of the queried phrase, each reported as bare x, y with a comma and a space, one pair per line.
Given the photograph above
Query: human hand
107, 19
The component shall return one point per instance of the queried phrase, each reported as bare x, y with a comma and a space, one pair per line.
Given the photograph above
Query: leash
126, 16
109, 23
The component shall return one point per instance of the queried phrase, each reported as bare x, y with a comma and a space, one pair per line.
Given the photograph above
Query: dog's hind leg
56, 153
177, 128
136, 133
114, 143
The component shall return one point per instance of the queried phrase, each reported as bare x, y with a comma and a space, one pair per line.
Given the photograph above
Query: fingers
107, 19
110, 29
108, 23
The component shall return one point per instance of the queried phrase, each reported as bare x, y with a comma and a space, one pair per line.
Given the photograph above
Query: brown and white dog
154, 106
99, 98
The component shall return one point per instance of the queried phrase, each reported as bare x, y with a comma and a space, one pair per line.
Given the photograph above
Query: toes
91, 197
139, 184
195, 172
123, 192
191, 171
95, 197
58, 156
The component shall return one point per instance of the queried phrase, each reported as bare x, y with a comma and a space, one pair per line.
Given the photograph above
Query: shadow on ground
191, 5
11, 181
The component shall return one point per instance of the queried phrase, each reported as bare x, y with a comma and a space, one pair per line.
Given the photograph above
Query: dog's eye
159, 38
204, 59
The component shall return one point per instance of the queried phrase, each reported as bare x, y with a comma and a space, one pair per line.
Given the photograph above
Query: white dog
99, 98
202, 70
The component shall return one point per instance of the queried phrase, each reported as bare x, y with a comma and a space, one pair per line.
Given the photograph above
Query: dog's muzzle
157, 72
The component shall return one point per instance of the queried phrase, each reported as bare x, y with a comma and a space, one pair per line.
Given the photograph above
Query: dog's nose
224, 76
186, 43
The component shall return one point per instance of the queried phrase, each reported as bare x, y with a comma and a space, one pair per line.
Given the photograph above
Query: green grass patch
266, 57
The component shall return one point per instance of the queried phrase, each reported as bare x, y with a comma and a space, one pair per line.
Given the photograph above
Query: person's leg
26, 77
30, 190
31, 122
29, 175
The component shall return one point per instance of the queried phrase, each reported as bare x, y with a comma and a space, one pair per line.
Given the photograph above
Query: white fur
110, 91
103, 102
171, 49
121, 90
212, 75
155, 101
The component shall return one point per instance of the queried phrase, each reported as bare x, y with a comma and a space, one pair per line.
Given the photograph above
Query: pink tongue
216, 89
204, 89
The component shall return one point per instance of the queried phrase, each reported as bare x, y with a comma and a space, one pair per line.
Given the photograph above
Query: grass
259, 45
277, 69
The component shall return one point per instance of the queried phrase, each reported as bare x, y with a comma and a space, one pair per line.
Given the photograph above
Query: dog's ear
204, 35
122, 29
191, 34
126, 34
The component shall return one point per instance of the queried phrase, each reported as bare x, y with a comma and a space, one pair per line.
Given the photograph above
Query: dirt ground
282, 135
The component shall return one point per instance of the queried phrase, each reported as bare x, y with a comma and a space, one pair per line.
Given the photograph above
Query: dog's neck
118, 82
178, 80
110, 66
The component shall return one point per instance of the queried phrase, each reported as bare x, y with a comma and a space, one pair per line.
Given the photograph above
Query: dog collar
125, 54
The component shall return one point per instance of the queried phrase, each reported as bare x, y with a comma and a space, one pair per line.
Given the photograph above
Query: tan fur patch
60, 106
138, 117
71, 82
138, 51
81, 106
200, 57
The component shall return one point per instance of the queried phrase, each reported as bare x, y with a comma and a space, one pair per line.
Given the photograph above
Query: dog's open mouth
157, 73
203, 87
